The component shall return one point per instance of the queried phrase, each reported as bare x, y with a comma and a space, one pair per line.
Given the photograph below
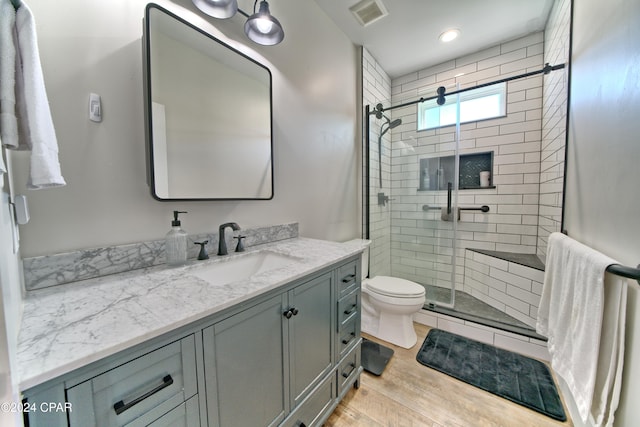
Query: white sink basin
242, 267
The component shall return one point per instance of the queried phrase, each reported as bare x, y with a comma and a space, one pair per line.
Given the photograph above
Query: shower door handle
449, 190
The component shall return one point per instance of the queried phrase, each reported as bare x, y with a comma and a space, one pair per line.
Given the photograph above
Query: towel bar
621, 270
624, 271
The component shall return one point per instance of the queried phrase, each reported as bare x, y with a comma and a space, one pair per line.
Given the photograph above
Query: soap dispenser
176, 242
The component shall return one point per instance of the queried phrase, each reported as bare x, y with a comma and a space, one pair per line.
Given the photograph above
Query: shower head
389, 125
395, 123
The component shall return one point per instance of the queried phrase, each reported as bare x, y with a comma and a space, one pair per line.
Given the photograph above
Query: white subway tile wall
376, 88
554, 119
421, 243
512, 288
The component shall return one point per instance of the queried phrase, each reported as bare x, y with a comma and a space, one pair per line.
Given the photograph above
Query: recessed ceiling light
449, 35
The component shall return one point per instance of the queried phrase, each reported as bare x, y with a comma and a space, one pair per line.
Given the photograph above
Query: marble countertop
67, 327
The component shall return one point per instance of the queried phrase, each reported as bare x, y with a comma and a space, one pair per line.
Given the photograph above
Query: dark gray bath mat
374, 356
520, 379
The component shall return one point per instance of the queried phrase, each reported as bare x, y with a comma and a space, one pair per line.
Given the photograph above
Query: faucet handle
240, 246
203, 250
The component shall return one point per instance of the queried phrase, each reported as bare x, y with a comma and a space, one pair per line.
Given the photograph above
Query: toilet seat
394, 287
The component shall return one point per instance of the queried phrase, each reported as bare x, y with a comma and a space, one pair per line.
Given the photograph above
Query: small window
477, 104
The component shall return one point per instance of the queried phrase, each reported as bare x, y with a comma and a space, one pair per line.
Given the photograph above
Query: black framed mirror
208, 115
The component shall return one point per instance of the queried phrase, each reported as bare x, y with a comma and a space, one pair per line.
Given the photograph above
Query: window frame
499, 89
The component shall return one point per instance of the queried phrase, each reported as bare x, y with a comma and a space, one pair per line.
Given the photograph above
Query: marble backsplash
51, 270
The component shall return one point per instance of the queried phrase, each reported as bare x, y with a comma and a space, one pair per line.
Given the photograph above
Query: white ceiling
407, 39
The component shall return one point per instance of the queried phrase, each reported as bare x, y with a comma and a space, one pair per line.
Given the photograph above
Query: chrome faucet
222, 243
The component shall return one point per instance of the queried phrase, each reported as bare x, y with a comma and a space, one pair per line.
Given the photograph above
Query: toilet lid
395, 287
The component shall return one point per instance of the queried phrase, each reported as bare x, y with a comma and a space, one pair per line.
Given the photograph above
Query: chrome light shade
263, 28
221, 9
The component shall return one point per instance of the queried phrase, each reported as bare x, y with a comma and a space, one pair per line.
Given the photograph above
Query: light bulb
264, 25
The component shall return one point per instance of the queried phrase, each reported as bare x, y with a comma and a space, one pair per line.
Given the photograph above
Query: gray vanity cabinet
262, 363
284, 358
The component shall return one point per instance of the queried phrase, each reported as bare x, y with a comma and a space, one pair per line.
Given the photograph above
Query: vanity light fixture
221, 9
261, 27
449, 35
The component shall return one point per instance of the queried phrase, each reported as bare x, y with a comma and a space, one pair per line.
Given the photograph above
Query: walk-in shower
473, 244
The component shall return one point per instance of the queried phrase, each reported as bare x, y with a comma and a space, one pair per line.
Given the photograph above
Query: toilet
388, 306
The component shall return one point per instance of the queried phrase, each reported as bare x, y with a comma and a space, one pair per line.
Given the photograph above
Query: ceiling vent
368, 11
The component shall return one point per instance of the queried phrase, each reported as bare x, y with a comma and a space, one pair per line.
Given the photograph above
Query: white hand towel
583, 319
8, 121
45, 166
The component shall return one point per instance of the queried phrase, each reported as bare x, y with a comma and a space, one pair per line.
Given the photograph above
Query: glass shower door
413, 199
438, 191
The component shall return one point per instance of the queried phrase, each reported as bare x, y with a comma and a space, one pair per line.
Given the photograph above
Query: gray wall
95, 46
602, 203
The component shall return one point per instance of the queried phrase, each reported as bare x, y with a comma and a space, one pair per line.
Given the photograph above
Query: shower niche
436, 172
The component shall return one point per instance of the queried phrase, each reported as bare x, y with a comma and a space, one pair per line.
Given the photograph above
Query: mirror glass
208, 113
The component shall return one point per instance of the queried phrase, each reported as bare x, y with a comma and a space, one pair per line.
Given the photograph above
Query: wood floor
410, 394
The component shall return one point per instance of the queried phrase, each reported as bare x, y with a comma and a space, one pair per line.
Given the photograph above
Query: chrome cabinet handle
120, 406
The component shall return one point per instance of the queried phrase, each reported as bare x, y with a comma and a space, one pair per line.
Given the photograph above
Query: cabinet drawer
349, 369
348, 336
185, 415
311, 410
347, 277
150, 386
348, 307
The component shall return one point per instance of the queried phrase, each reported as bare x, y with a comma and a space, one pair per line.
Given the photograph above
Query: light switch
95, 108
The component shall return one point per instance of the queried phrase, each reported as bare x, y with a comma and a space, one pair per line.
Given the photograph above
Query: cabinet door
245, 364
310, 334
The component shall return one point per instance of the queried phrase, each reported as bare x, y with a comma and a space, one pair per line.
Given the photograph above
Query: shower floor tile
470, 308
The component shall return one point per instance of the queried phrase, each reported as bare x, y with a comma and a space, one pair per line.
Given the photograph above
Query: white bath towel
45, 166
8, 120
583, 316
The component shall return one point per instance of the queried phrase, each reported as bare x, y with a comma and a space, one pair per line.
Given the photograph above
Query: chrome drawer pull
351, 337
351, 310
347, 374
120, 406
348, 278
